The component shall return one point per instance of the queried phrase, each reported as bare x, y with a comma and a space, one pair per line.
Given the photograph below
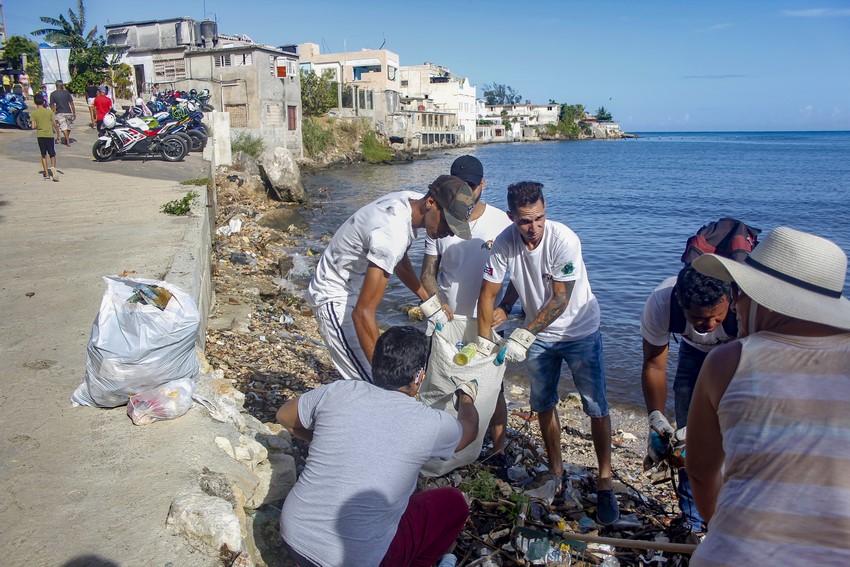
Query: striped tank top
785, 421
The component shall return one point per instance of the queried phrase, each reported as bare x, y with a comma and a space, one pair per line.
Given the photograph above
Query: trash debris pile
263, 335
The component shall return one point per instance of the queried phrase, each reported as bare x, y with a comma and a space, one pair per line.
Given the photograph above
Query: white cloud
687, 117
807, 111
816, 13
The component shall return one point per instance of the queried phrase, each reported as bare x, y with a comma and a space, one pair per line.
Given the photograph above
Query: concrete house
438, 107
258, 85
368, 81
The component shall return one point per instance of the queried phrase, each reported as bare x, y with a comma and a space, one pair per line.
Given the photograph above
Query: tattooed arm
552, 309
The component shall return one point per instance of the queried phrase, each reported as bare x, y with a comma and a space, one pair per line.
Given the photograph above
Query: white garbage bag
442, 378
136, 347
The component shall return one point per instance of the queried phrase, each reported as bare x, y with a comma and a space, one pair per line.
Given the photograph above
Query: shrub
373, 150
317, 136
251, 144
199, 181
179, 206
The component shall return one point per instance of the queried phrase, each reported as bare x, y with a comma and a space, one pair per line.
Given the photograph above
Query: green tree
501, 94
603, 115
318, 93
88, 58
15, 47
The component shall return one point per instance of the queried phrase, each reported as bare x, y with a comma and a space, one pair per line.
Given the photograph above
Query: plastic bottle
448, 560
465, 355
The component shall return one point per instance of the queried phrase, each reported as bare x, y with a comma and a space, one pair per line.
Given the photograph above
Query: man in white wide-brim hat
769, 422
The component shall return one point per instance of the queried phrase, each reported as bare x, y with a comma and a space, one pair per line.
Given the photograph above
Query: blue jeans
690, 362
586, 361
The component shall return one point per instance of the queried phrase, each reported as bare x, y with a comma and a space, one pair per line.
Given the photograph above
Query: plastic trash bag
168, 401
441, 379
135, 347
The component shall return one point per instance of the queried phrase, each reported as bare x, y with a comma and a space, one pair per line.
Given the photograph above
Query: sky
656, 65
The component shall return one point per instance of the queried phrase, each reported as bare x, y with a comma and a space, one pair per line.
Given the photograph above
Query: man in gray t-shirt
352, 505
62, 104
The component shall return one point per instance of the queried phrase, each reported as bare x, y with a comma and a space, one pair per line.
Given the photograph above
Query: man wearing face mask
697, 308
354, 270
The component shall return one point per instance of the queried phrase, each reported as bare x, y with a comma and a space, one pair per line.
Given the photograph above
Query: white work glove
485, 346
469, 388
518, 344
658, 440
432, 309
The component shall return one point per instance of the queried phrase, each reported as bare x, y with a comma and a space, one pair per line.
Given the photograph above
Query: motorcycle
13, 111
119, 139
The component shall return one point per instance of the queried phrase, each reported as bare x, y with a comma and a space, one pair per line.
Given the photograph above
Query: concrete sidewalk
84, 486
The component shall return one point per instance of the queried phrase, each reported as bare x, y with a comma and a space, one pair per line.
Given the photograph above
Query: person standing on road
452, 267
355, 268
91, 94
62, 104
46, 127
102, 106
561, 325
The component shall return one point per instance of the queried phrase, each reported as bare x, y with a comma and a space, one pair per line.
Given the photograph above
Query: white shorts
337, 330
90, 101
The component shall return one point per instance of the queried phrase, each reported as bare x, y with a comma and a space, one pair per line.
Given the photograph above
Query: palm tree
69, 32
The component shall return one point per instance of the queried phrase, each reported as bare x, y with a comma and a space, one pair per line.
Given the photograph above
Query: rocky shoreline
263, 338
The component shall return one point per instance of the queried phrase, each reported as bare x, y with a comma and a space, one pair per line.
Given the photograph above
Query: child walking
46, 127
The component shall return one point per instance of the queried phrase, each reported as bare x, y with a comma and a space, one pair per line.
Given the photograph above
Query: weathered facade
258, 85
368, 81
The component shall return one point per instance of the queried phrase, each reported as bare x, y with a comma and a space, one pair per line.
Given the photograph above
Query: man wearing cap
452, 267
62, 104
768, 425
352, 274
102, 106
561, 324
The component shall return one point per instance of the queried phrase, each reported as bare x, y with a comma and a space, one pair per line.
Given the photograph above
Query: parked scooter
13, 111
120, 139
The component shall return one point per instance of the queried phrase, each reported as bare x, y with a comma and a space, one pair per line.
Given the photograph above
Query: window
404, 83
238, 115
358, 71
169, 69
365, 99
245, 58
292, 117
222, 60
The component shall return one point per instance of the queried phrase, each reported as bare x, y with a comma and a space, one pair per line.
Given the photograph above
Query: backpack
726, 237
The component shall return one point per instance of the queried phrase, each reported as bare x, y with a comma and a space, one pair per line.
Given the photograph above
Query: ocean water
633, 203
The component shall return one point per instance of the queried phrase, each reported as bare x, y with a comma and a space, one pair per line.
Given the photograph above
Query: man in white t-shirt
697, 307
561, 324
352, 274
352, 505
452, 268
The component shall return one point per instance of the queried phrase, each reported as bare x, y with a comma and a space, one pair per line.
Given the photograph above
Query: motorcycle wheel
173, 148
199, 141
102, 152
202, 128
23, 122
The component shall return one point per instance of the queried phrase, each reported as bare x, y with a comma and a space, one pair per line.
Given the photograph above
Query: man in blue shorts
561, 324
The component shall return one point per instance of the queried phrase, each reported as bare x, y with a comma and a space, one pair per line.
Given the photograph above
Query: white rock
207, 522
276, 478
281, 174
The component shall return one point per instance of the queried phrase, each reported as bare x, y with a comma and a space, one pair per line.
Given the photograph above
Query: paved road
83, 486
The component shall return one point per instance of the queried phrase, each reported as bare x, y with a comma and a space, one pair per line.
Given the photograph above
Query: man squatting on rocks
452, 268
562, 324
768, 428
352, 505
701, 304
352, 274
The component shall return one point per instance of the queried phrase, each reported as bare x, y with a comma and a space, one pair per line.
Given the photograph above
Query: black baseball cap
469, 169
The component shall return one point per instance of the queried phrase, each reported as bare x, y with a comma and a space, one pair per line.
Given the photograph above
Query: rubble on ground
263, 337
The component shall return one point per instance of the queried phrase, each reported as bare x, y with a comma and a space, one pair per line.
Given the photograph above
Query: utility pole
2, 26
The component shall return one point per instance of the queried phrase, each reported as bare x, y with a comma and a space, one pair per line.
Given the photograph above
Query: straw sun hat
790, 272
